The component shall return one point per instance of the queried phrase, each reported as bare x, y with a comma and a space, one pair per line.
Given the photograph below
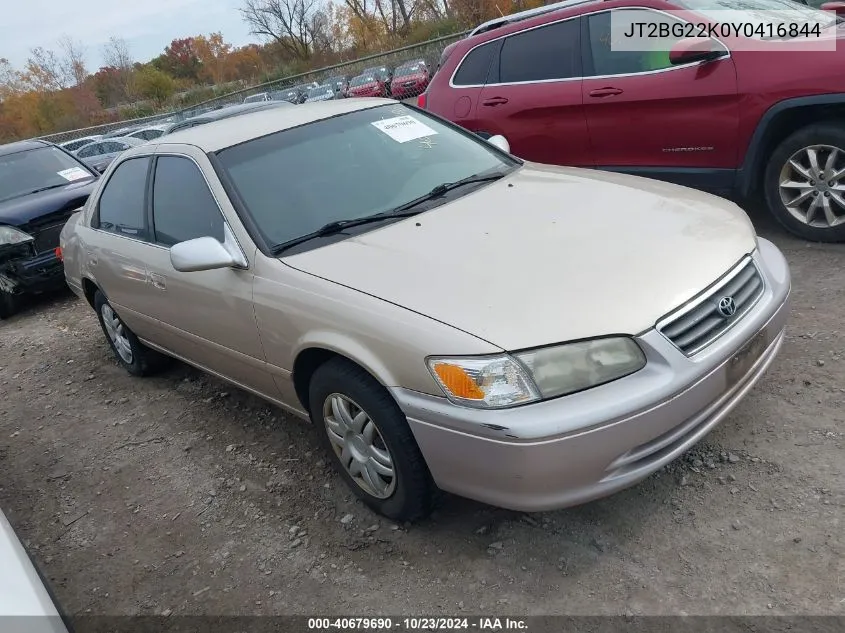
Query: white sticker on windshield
404, 128
74, 173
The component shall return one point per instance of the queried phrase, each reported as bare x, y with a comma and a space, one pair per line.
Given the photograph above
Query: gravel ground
179, 494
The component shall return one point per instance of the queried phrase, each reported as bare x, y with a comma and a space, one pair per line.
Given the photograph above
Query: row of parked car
98, 151
405, 81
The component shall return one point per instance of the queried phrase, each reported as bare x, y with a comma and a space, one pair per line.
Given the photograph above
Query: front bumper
577, 448
33, 274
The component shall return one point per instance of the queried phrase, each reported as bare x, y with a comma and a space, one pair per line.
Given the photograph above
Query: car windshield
360, 80
33, 170
411, 69
351, 166
757, 11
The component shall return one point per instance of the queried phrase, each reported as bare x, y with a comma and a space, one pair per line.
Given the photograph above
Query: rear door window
122, 204
475, 66
542, 54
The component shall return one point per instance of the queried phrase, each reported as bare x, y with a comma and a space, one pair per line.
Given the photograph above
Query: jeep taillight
421, 101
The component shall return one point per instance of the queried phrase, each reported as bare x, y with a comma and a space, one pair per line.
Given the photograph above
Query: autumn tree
73, 62
154, 84
290, 23
247, 62
180, 59
117, 57
212, 52
43, 71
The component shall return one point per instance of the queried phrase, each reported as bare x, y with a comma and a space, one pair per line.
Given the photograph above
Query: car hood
546, 255
25, 209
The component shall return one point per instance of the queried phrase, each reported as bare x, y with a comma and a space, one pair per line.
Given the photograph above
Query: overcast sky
147, 25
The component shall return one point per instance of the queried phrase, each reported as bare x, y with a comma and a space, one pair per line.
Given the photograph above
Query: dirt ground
180, 494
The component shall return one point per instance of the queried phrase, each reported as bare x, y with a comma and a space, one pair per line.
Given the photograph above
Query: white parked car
22, 590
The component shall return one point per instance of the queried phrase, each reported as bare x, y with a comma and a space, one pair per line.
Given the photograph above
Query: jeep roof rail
495, 23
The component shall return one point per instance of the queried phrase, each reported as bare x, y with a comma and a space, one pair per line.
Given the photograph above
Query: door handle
494, 101
605, 92
157, 281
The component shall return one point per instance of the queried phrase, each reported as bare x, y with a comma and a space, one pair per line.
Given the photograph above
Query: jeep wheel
805, 183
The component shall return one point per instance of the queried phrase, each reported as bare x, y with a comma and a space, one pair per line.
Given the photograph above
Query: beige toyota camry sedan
450, 317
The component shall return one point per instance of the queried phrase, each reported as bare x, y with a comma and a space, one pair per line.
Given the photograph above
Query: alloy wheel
117, 333
812, 185
358, 444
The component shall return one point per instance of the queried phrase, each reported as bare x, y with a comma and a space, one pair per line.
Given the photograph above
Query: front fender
756, 154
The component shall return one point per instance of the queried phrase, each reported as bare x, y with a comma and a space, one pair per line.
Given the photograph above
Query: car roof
129, 140
525, 15
217, 135
22, 146
149, 127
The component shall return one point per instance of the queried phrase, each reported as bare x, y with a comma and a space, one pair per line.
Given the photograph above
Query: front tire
804, 183
131, 354
370, 442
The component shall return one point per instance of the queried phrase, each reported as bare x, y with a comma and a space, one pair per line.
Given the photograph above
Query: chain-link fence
402, 73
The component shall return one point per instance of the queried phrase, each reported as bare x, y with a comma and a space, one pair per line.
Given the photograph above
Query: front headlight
11, 235
492, 382
577, 366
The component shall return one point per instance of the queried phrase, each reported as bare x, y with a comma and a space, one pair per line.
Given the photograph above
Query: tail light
421, 101
58, 253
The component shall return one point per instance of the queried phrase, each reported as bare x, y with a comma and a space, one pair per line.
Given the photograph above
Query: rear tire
370, 442
804, 183
131, 354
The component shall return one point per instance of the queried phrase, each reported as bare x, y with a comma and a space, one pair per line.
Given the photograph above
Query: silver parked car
78, 143
448, 315
99, 154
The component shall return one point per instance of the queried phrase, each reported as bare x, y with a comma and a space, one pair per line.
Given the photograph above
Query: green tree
155, 85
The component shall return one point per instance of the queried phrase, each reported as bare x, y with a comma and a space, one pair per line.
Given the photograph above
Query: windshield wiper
402, 211
444, 188
332, 228
39, 190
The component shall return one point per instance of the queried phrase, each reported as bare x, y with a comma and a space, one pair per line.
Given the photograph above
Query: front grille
46, 230
47, 239
698, 324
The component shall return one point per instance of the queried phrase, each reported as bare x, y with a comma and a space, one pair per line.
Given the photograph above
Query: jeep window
38, 169
183, 207
607, 61
121, 208
788, 11
475, 66
549, 52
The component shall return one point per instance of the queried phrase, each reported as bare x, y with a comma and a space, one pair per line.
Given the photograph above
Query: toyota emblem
726, 307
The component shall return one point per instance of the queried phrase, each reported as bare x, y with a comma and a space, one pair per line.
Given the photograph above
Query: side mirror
501, 142
837, 7
202, 253
694, 49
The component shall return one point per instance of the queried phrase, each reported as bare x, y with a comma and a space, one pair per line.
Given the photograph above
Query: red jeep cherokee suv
767, 123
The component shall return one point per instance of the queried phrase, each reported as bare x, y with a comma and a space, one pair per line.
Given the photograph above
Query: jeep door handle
494, 101
605, 92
